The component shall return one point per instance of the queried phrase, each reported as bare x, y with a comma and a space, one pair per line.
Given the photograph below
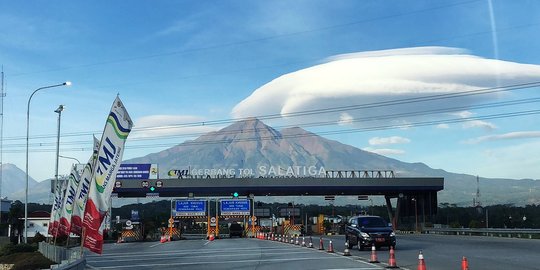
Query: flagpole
83, 235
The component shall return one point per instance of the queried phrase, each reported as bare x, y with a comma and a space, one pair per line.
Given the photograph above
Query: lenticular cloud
367, 77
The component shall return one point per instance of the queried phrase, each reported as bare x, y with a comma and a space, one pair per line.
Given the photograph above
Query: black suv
366, 231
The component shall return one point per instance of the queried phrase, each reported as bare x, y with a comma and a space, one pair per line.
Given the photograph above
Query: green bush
38, 238
27, 261
20, 248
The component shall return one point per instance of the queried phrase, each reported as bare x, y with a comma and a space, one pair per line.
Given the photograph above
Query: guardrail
65, 257
516, 233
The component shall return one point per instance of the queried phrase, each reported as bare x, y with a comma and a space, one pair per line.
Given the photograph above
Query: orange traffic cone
296, 242
211, 237
464, 264
310, 245
346, 252
330, 247
392, 259
303, 241
421, 263
321, 245
373, 258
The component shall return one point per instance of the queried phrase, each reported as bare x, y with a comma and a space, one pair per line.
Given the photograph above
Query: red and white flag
82, 192
67, 205
109, 157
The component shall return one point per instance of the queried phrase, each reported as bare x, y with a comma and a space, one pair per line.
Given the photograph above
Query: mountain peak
249, 129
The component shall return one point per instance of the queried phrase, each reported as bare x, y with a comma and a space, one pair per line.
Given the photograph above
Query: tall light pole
72, 158
27, 138
59, 112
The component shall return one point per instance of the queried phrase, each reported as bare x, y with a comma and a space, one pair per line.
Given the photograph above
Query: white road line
185, 251
196, 256
220, 262
207, 242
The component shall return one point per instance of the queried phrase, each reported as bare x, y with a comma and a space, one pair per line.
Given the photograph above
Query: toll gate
416, 196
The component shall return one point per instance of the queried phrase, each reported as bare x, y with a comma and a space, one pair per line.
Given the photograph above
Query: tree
15, 215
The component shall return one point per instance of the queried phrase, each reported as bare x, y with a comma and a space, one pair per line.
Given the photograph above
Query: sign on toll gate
185, 208
137, 171
235, 207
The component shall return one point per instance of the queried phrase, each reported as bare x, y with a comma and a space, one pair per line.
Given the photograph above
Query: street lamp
27, 138
59, 112
72, 158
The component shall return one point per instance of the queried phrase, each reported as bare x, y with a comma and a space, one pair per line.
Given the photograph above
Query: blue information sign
137, 171
190, 208
236, 207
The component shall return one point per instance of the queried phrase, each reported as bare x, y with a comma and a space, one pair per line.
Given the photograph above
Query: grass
26, 261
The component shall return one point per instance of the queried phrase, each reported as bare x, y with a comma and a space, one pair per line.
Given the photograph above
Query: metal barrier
516, 233
65, 257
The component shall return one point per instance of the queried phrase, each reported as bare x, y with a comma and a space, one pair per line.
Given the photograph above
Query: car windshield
371, 222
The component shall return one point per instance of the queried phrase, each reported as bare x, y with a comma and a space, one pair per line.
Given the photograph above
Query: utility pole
477, 199
2, 95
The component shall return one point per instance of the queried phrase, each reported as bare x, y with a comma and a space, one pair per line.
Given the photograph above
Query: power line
309, 134
317, 124
372, 105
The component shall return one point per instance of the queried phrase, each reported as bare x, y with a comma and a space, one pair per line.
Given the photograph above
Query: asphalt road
444, 252
440, 252
237, 253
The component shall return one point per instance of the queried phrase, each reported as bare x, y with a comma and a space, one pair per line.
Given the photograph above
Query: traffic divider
346, 252
330, 247
421, 262
373, 258
392, 259
464, 263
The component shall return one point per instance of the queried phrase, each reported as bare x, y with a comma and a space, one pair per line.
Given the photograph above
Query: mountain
250, 144
14, 180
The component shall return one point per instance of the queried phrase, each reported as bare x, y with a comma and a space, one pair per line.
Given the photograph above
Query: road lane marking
185, 252
195, 256
207, 242
223, 262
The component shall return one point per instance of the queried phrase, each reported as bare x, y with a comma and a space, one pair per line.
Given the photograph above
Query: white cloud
345, 119
463, 114
443, 126
479, 124
388, 140
169, 125
474, 123
380, 76
505, 136
384, 151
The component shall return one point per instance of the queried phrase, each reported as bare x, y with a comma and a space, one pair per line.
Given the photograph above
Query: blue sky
175, 62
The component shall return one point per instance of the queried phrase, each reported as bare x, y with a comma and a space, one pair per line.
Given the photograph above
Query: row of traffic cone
373, 257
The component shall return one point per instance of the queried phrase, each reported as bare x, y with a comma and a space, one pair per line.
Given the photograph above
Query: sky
452, 84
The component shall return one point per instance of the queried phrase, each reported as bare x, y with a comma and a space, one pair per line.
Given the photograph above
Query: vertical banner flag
82, 192
69, 199
59, 200
109, 157
55, 207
